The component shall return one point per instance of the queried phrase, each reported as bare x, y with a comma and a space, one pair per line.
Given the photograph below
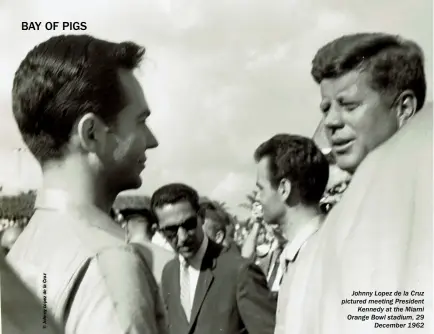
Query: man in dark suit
207, 289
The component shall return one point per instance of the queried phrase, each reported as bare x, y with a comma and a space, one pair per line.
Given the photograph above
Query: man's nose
182, 236
333, 117
151, 140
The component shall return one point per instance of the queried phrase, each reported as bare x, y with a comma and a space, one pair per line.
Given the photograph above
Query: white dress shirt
194, 267
95, 282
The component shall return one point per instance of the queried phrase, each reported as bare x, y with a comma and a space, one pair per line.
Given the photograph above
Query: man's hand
248, 250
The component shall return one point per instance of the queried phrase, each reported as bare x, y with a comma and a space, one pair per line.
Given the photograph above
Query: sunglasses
189, 226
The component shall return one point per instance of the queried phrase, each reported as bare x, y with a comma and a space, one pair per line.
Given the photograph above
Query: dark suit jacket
231, 297
233, 247
265, 263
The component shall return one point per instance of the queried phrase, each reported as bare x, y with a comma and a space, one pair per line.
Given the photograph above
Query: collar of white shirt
53, 199
196, 260
292, 248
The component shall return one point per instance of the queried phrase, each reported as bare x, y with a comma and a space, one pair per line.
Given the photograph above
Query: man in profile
82, 114
292, 174
379, 236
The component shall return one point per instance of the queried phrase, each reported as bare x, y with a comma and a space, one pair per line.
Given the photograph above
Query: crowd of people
173, 267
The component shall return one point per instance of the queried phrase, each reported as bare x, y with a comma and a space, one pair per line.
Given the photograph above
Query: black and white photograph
216, 167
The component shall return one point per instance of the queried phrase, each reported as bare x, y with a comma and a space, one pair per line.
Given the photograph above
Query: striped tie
185, 289
276, 266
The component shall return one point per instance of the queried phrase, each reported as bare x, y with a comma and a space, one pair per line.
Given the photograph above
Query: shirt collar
196, 260
58, 200
52, 199
293, 247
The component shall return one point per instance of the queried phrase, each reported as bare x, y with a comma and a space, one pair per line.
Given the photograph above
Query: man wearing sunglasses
207, 289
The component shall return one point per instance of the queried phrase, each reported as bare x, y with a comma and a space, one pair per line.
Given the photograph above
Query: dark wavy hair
300, 161
61, 80
394, 64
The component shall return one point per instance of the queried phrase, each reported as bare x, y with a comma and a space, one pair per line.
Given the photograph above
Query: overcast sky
220, 76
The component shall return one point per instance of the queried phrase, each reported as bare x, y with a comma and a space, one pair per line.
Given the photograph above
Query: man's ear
92, 133
405, 106
284, 189
219, 237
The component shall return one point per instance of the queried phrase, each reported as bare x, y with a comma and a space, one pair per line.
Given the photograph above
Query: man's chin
348, 162
187, 254
135, 183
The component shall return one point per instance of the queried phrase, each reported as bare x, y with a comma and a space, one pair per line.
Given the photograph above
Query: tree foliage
132, 202
18, 206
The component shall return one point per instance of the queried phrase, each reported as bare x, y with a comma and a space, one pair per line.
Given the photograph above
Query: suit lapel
204, 283
205, 280
176, 291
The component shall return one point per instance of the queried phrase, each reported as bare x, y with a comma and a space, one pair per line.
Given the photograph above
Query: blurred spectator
218, 224
9, 236
215, 221
139, 224
333, 195
263, 245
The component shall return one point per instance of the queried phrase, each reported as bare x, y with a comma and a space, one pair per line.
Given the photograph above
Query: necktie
185, 289
285, 269
276, 266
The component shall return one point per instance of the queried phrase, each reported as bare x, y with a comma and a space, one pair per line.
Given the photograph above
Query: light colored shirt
195, 264
21, 312
379, 237
289, 264
75, 258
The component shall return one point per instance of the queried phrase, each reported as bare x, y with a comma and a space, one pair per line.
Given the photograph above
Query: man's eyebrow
177, 224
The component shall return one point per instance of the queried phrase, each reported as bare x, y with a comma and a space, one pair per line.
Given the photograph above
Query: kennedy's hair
394, 64
174, 193
300, 161
64, 78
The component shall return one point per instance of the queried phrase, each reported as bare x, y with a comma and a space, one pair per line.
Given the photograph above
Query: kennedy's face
357, 118
181, 226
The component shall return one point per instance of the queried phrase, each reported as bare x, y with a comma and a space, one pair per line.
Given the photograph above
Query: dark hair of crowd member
394, 64
174, 193
61, 80
219, 218
300, 161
